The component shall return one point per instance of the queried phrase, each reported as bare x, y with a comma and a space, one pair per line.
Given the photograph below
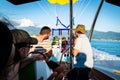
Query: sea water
111, 47
106, 50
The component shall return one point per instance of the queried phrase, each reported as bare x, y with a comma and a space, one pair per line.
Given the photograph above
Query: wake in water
104, 60
101, 55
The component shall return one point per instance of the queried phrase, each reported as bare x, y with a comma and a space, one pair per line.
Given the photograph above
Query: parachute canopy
61, 2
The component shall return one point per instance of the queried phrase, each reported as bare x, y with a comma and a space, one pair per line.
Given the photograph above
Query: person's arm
49, 53
49, 49
77, 47
24, 62
75, 52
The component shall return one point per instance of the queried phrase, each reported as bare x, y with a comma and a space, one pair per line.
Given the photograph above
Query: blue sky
42, 12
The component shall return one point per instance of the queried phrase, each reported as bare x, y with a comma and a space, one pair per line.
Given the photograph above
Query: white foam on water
101, 55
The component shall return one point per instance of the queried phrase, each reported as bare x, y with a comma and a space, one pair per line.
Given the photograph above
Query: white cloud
27, 22
41, 25
22, 23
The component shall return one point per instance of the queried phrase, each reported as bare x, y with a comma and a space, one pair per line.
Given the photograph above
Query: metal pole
71, 6
92, 27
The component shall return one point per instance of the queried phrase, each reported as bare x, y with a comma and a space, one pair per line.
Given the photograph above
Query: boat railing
97, 74
64, 52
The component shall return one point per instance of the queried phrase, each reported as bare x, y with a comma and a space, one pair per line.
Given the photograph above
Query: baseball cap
22, 37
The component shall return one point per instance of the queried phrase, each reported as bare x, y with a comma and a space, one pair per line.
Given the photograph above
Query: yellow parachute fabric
61, 2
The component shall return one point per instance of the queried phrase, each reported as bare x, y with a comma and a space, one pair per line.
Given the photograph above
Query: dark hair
45, 30
6, 44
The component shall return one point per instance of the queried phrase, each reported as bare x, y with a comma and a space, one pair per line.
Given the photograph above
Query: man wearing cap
19, 59
83, 57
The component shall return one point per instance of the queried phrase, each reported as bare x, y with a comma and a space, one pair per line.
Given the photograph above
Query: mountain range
105, 35
96, 34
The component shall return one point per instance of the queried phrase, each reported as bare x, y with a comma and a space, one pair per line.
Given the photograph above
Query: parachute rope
87, 2
46, 12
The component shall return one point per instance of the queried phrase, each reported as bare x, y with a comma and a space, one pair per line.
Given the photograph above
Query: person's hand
46, 59
59, 69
